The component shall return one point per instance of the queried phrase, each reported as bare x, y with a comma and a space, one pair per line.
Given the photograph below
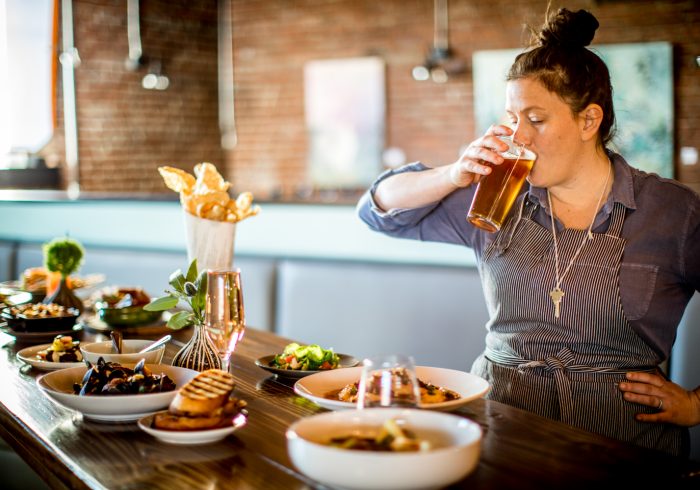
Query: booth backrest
7, 261
436, 314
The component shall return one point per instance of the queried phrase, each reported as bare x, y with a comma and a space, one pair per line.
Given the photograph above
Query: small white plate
28, 355
58, 386
191, 437
469, 386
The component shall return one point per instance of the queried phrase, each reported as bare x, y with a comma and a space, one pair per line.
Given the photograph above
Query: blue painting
642, 79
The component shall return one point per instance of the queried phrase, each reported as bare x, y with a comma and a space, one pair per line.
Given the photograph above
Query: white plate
191, 437
28, 355
58, 386
469, 386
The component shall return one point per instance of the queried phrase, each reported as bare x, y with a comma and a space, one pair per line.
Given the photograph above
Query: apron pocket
637, 284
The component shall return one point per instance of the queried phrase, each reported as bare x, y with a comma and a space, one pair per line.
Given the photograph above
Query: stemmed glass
224, 318
388, 381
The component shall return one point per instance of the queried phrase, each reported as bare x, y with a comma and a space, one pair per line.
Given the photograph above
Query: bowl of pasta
382, 448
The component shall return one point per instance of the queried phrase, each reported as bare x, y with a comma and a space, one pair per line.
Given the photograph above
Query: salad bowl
297, 361
264, 362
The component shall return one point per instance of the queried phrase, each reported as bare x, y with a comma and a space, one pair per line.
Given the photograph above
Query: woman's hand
474, 161
675, 404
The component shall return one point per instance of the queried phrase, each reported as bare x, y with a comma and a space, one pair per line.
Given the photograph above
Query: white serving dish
469, 386
191, 437
28, 355
58, 386
456, 447
130, 348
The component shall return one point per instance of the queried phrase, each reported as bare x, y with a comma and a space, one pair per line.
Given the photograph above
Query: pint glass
497, 191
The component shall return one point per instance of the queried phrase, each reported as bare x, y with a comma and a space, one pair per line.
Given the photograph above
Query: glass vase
199, 353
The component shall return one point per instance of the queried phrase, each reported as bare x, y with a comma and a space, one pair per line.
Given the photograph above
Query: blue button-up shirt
660, 267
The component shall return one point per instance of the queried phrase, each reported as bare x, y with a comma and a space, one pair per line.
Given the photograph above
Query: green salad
305, 358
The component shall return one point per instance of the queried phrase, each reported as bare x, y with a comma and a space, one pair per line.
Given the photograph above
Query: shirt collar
622, 190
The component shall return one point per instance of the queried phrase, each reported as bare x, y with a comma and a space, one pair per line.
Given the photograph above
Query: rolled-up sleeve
443, 221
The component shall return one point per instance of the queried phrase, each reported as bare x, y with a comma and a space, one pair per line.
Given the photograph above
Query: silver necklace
557, 293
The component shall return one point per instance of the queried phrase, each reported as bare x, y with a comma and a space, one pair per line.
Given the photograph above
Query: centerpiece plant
189, 289
64, 256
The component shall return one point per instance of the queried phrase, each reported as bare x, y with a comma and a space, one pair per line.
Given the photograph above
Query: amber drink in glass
497, 191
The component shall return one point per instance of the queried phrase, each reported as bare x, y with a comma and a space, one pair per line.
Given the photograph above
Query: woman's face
543, 122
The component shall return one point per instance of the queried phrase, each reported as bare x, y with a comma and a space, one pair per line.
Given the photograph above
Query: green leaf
162, 304
180, 320
177, 281
192, 271
199, 299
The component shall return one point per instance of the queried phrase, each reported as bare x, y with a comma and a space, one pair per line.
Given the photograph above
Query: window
26, 79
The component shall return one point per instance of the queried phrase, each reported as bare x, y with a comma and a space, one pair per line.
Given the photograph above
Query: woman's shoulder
652, 186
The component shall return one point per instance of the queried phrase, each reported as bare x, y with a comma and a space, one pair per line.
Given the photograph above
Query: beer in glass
497, 191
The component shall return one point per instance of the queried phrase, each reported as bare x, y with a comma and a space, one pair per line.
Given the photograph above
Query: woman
587, 280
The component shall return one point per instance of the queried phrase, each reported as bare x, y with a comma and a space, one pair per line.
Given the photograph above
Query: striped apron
565, 368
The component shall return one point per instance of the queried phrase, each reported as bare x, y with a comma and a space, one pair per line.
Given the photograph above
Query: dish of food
202, 411
33, 337
35, 279
13, 297
121, 306
63, 353
429, 393
39, 317
305, 358
391, 437
59, 387
318, 387
344, 361
454, 441
111, 378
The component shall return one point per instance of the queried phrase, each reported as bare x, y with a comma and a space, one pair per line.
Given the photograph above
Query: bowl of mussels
113, 392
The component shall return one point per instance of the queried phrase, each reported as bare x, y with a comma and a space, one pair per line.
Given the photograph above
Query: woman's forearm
410, 190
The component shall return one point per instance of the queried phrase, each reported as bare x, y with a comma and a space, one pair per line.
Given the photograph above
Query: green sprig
190, 288
63, 255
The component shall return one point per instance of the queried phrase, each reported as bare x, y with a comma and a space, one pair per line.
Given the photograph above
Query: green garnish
305, 358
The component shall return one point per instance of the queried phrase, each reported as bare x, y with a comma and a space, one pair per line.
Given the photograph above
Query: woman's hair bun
568, 29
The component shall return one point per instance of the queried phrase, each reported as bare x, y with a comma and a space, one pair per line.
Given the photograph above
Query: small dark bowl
46, 324
127, 316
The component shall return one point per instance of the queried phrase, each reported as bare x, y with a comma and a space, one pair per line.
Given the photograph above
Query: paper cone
210, 242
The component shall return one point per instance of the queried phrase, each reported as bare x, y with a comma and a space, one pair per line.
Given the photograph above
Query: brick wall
126, 131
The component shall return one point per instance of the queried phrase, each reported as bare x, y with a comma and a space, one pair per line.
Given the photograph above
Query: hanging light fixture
440, 63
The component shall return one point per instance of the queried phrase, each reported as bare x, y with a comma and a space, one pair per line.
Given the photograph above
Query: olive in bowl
123, 307
39, 317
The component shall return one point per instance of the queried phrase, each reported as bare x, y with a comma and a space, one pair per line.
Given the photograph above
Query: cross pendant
556, 294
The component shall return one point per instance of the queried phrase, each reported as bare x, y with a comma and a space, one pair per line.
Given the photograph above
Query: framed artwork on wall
642, 80
345, 111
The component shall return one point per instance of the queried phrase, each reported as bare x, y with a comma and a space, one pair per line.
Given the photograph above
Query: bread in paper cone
207, 195
210, 242
210, 213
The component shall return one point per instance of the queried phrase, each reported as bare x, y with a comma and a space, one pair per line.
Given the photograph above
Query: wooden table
519, 450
